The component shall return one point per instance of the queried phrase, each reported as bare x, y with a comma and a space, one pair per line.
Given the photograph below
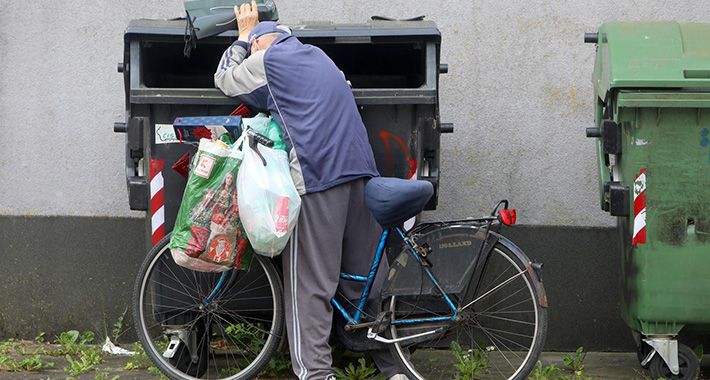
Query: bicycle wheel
499, 336
234, 337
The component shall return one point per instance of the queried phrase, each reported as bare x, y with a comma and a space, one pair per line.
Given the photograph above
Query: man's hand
247, 18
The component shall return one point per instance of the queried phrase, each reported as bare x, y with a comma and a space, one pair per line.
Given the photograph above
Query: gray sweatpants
335, 233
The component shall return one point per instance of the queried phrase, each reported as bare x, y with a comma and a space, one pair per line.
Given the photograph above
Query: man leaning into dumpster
331, 159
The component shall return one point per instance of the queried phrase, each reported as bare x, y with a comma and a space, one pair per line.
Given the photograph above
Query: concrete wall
518, 92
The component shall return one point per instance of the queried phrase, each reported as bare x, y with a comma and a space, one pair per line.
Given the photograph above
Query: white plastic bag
268, 200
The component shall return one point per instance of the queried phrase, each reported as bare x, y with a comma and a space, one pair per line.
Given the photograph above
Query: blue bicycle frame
357, 317
369, 280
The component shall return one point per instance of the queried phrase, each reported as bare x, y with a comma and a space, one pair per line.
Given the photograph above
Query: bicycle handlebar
261, 139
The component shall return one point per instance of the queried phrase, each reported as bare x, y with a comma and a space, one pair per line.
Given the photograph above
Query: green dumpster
652, 100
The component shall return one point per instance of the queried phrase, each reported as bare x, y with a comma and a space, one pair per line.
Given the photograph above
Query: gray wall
518, 92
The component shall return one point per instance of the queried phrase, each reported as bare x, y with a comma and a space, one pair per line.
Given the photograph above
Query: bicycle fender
541, 294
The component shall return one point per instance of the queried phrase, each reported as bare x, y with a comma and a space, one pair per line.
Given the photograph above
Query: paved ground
618, 366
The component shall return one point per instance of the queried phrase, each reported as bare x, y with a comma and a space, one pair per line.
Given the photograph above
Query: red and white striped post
157, 201
639, 236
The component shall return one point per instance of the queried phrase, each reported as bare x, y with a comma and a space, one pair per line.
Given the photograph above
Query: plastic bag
208, 235
268, 200
266, 126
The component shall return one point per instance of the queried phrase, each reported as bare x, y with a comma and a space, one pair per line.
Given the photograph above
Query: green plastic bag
208, 235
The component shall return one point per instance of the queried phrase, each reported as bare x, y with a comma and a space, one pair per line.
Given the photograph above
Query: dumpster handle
594, 132
385, 18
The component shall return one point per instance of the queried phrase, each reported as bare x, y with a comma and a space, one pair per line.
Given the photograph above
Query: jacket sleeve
243, 78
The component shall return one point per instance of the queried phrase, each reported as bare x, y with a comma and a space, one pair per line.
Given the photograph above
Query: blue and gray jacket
300, 86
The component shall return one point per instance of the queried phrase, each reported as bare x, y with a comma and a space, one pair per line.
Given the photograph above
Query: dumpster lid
374, 28
653, 54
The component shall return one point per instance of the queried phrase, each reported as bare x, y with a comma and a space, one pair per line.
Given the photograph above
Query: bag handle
254, 138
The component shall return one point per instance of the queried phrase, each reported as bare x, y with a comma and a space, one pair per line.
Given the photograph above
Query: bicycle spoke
177, 300
169, 307
494, 281
220, 323
497, 348
161, 323
498, 287
244, 320
507, 319
511, 333
247, 290
470, 334
506, 298
175, 290
231, 339
167, 264
424, 309
241, 276
502, 338
509, 312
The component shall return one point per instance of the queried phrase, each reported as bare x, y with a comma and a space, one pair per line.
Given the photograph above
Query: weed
86, 337
253, 336
22, 351
543, 373
469, 363
117, 330
575, 362
363, 371
68, 337
68, 340
30, 363
130, 366
40, 338
140, 360
278, 367
72, 342
5, 347
698, 350
228, 372
87, 361
247, 334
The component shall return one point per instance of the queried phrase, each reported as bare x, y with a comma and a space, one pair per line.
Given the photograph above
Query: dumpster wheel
688, 363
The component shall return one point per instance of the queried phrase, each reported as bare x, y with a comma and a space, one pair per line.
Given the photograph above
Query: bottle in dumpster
281, 216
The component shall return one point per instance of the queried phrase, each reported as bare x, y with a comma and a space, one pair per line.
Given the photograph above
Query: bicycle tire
181, 368
413, 366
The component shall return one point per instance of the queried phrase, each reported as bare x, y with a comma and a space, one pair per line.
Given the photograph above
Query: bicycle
454, 281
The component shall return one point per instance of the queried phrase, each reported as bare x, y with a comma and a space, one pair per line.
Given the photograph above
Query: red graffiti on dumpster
386, 137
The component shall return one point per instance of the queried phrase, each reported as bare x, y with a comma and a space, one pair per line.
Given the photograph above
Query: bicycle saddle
394, 200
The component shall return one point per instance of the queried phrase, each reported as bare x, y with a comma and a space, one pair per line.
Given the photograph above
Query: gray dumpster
393, 67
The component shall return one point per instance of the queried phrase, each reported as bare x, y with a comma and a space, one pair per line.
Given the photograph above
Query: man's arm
236, 75
242, 77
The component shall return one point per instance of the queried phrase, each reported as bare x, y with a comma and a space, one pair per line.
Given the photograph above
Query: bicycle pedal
382, 322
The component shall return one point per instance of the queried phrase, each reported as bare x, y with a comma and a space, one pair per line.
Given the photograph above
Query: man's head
264, 34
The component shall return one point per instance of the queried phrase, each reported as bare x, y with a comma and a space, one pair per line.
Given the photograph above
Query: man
331, 160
